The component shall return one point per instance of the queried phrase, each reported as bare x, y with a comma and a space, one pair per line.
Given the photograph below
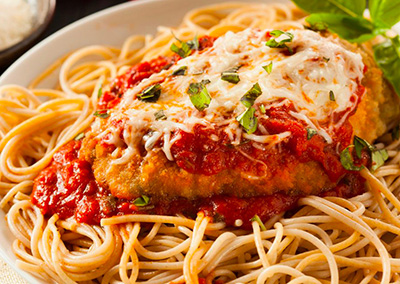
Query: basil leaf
280, 44
248, 120
102, 113
141, 201
359, 145
354, 29
258, 220
194, 43
199, 95
160, 115
268, 68
387, 56
186, 47
310, 133
385, 13
332, 96
378, 158
231, 75
150, 94
100, 92
180, 71
347, 7
262, 109
80, 136
250, 97
347, 161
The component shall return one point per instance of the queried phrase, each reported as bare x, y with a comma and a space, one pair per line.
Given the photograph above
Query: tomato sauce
67, 187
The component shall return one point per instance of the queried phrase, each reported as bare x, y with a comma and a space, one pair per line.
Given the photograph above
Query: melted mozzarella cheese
306, 78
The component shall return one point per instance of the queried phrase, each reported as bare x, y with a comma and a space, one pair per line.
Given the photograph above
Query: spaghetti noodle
328, 240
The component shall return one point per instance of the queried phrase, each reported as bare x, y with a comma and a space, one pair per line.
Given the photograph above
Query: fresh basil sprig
345, 17
387, 56
346, 7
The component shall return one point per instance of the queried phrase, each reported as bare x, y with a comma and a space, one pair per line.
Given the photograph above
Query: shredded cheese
318, 66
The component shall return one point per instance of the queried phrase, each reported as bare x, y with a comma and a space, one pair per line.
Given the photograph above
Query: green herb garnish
180, 72
347, 160
160, 115
141, 201
231, 75
251, 95
332, 96
268, 68
102, 113
378, 157
100, 92
280, 44
186, 47
80, 136
260, 223
310, 133
262, 109
248, 120
199, 95
150, 94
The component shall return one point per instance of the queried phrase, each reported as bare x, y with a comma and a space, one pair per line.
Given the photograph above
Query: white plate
108, 27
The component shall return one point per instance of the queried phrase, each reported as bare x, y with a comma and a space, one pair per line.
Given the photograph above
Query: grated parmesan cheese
16, 19
319, 66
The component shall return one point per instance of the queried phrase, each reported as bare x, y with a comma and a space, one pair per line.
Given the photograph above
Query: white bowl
43, 11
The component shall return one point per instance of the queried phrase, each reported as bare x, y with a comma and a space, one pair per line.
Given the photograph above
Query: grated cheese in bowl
16, 21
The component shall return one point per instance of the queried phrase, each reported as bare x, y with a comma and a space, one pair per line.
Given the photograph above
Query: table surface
67, 11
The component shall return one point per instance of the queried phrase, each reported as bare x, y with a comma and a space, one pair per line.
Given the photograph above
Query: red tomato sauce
67, 187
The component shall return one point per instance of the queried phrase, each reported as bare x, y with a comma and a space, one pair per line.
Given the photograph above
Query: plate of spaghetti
221, 142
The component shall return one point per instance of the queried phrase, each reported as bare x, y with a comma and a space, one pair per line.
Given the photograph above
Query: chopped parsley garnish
258, 220
396, 132
80, 136
180, 72
268, 68
160, 115
310, 133
199, 95
326, 59
150, 94
280, 44
102, 113
262, 109
332, 96
141, 201
249, 98
186, 47
231, 75
248, 120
